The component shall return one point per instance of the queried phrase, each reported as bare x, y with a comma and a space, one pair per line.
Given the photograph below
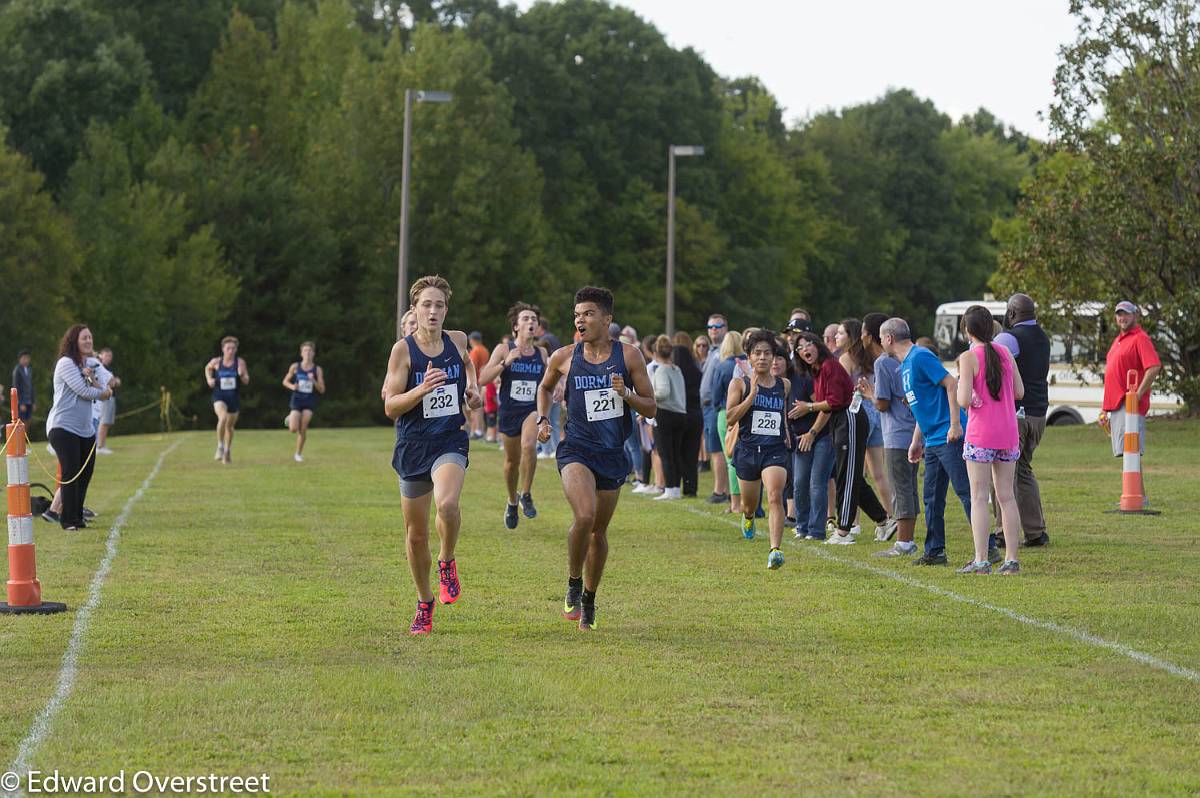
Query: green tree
913, 200
151, 288
64, 65
39, 262
1116, 212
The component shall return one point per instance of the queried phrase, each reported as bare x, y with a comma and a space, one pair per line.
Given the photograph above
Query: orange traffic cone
24, 590
1133, 494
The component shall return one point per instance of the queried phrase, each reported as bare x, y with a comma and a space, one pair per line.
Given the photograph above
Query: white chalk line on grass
70, 661
1050, 626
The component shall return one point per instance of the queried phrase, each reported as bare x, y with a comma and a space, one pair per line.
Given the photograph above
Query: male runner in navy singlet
520, 365
429, 380
604, 379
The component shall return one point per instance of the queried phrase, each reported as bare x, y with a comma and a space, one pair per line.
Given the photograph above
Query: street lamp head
434, 96
687, 149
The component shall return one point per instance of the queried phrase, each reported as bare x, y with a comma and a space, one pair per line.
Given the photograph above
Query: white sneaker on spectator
838, 539
897, 550
884, 531
668, 494
104, 450
854, 530
640, 487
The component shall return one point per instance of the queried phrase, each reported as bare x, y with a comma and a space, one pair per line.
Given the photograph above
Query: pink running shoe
448, 588
423, 623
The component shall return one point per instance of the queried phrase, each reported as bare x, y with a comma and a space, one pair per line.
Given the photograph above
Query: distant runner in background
305, 380
225, 375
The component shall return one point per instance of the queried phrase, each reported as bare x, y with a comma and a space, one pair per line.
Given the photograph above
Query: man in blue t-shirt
930, 391
898, 424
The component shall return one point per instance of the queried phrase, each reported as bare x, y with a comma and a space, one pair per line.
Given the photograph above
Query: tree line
173, 172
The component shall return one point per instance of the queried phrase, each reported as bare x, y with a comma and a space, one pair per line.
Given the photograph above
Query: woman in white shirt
671, 420
69, 425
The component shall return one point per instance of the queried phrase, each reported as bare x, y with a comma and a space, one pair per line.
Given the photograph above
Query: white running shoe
285, 421
220, 455
896, 551
669, 494
854, 530
837, 539
104, 450
299, 458
642, 487
884, 531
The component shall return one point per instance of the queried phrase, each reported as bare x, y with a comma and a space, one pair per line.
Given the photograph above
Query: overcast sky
819, 54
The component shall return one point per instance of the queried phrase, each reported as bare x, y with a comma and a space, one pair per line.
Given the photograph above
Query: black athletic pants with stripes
850, 447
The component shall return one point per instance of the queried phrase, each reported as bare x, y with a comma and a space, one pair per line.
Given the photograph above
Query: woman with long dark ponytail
988, 385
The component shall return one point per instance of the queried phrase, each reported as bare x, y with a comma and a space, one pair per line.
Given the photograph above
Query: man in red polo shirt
1131, 351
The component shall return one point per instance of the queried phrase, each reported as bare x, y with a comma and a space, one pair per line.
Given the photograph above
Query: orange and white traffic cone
24, 590
1133, 495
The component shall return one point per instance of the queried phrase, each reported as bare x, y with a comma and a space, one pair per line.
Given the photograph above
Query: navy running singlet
597, 417
763, 423
519, 384
305, 395
440, 412
227, 377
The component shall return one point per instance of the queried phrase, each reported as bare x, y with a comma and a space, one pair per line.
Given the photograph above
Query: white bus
1079, 341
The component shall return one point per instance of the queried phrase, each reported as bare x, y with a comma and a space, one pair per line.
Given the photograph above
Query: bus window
947, 336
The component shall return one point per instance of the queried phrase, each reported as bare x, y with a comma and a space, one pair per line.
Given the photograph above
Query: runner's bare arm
210, 373
491, 370
397, 401
640, 395
733, 396
738, 400
559, 363
243, 372
320, 380
288, 381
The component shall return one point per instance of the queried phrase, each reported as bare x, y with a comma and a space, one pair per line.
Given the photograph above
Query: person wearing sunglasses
717, 327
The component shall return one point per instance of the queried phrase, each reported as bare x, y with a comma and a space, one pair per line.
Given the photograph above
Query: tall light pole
402, 277
672, 151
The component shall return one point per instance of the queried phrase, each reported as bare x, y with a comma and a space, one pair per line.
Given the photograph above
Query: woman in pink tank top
988, 386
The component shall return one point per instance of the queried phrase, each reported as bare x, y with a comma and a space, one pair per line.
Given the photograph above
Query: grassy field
255, 617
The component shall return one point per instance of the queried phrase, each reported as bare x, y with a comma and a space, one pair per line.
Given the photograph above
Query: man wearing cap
799, 322
717, 327
479, 356
1030, 346
1132, 350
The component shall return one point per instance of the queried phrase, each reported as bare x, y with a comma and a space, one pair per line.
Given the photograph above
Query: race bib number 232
442, 402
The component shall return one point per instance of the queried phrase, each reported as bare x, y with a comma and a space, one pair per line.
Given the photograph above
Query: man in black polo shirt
1030, 345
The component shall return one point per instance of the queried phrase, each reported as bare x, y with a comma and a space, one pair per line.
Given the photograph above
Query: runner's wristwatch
540, 419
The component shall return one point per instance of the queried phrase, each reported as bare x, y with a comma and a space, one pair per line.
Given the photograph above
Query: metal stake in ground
24, 590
